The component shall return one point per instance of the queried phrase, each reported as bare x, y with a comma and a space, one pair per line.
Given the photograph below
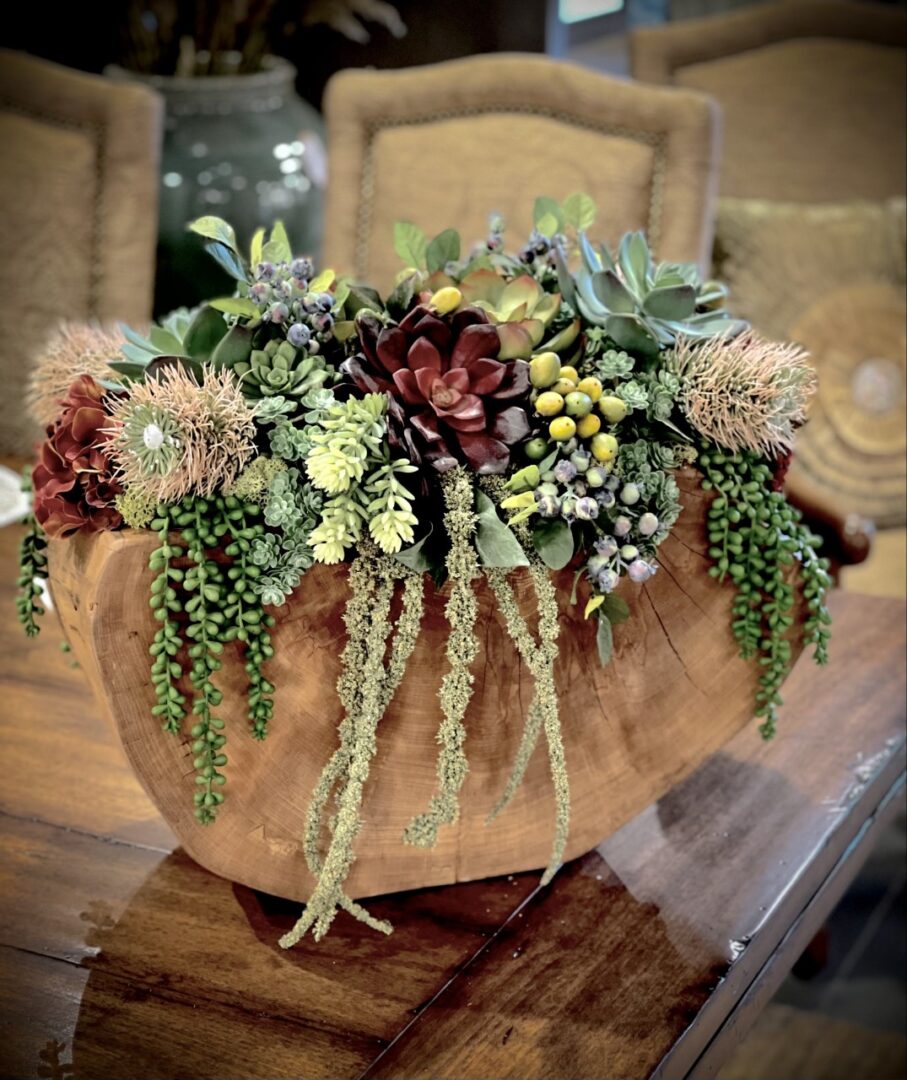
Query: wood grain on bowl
675, 691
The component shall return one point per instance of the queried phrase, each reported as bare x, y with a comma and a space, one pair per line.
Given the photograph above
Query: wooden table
648, 957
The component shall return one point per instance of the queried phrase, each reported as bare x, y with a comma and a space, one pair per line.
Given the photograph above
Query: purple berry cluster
618, 553
575, 489
280, 291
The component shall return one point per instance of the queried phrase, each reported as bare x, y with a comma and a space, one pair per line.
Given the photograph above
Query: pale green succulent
279, 369
644, 307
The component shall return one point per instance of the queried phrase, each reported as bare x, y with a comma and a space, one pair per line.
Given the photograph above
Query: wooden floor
653, 955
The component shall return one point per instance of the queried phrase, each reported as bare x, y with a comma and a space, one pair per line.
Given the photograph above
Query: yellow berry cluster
576, 406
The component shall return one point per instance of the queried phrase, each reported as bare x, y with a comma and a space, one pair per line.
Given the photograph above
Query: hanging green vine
248, 622
462, 647
755, 537
32, 572
204, 580
166, 669
201, 608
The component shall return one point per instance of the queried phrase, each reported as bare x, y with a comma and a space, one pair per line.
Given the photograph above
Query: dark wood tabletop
650, 956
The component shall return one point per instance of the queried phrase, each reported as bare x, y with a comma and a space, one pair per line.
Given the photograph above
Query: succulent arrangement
495, 411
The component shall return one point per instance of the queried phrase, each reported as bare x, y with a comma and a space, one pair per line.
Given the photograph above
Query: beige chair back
812, 94
78, 213
449, 143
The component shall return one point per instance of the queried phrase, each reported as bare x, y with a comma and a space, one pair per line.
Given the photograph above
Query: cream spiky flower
744, 393
173, 436
150, 434
76, 349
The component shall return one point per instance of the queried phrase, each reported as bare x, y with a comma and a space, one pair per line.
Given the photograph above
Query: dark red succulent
451, 401
73, 482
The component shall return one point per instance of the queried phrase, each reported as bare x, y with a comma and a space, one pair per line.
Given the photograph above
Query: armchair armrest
847, 537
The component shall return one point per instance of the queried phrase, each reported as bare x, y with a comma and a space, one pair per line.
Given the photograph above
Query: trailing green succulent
32, 572
756, 539
644, 307
203, 606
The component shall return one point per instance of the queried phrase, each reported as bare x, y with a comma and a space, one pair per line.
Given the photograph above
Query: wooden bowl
673, 693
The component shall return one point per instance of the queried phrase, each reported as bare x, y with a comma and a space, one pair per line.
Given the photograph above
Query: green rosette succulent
279, 369
644, 307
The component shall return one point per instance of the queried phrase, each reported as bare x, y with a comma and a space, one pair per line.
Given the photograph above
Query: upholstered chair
810, 233
449, 143
78, 213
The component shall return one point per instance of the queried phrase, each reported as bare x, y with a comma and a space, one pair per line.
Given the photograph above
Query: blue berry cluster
280, 291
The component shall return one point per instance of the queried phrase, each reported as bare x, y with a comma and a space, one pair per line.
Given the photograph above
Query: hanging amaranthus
366, 687
462, 647
540, 658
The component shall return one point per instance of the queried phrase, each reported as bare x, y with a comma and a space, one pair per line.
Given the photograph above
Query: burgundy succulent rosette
450, 399
73, 482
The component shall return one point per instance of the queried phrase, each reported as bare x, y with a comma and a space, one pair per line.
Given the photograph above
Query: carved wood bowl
673, 693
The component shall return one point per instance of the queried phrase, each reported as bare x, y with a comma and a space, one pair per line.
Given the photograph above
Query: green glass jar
243, 147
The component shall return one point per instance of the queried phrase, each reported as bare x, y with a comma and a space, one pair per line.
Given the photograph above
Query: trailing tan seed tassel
365, 689
462, 647
543, 710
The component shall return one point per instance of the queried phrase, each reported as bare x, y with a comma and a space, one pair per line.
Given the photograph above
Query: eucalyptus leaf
545, 207
414, 556
235, 347
443, 249
400, 300
549, 461
616, 609
411, 244
604, 639
553, 541
215, 228
256, 248
205, 331
227, 259
547, 225
579, 210
236, 305
277, 249
495, 542
322, 282
361, 296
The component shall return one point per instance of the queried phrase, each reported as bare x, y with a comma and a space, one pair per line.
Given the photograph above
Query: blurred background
791, 185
